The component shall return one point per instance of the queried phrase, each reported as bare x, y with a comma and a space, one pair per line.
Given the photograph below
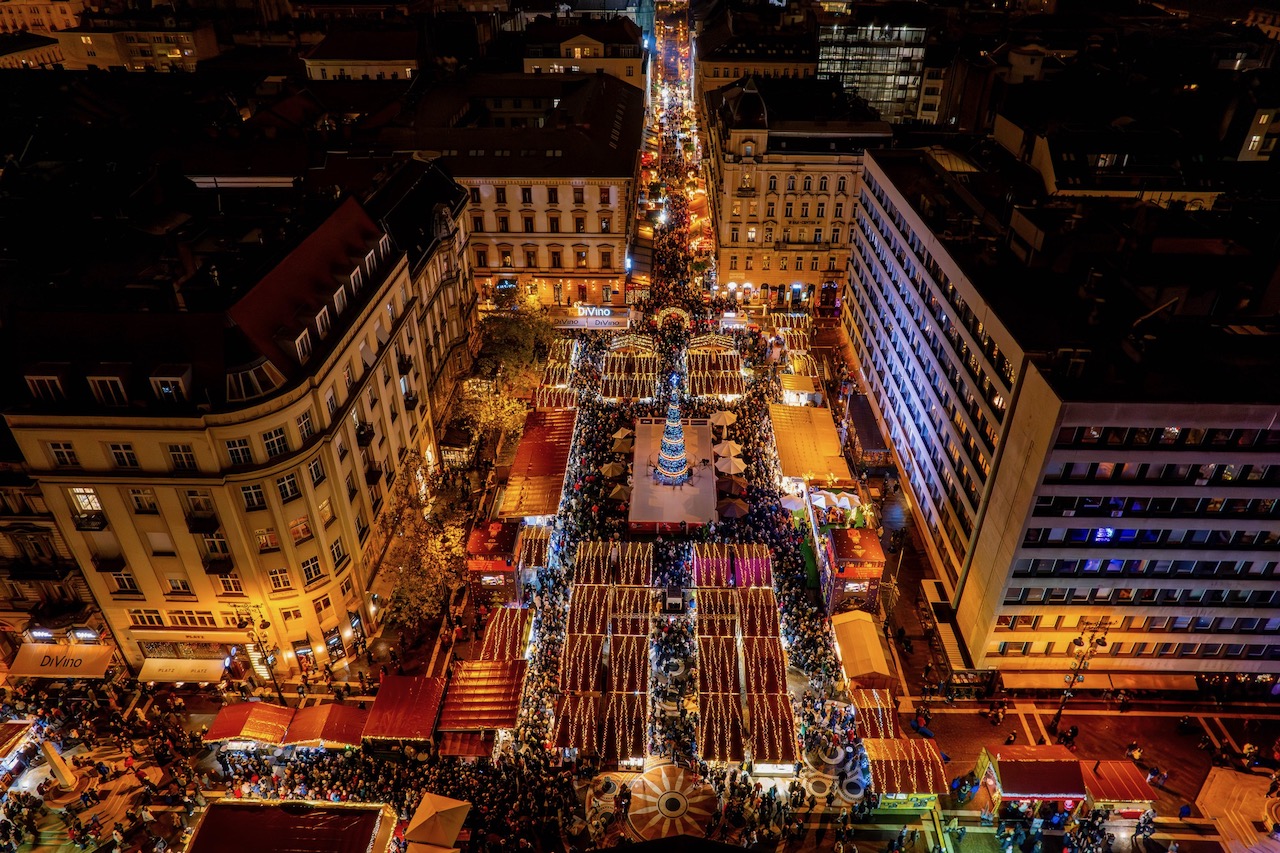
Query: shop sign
591, 317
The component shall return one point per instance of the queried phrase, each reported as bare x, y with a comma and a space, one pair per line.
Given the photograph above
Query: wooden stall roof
405, 708
623, 725
537, 474
720, 726
758, 612
875, 713
766, 664
906, 766
483, 694
588, 608
773, 728
506, 634
578, 723
580, 663
717, 665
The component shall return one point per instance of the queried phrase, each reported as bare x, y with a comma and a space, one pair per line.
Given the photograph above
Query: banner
56, 660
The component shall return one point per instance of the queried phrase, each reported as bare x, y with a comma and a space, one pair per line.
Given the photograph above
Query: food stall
404, 712
248, 726
329, 726
1031, 782
906, 773
491, 565
856, 562
862, 658
1117, 786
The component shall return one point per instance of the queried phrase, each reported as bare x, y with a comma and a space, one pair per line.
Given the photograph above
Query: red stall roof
504, 636
537, 474
1116, 782
493, 540
466, 744
773, 727
256, 721
295, 827
623, 723
720, 726
483, 694
906, 766
406, 708
1048, 772
326, 725
875, 713
578, 723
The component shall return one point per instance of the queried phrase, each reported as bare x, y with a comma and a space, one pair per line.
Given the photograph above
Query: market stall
234, 826
482, 695
577, 724
758, 612
906, 773
628, 563
1118, 787
491, 565
765, 663
623, 724
855, 563
506, 634
773, 732
61, 660
329, 726
875, 713
808, 445
405, 710
631, 610
537, 473
731, 564
858, 647
246, 725
628, 663
719, 729
580, 663
588, 609
717, 665
717, 611
1030, 781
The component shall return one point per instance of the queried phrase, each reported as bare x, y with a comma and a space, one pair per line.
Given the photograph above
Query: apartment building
577, 45
138, 41
1088, 438
219, 449
39, 16
364, 55
736, 44
785, 158
29, 50
876, 51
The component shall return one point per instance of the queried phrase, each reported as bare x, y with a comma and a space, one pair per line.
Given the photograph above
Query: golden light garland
632, 340
579, 662
577, 723
709, 341
875, 713
630, 375
631, 610
637, 564
720, 726
623, 726
588, 608
555, 398
629, 664
753, 564
504, 635
717, 665
765, 664
773, 727
905, 766
758, 612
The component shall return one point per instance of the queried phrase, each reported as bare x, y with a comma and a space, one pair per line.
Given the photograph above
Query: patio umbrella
731, 465
437, 821
822, 499
732, 508
792, 503
620, 493
727, 448
613, 469
732, 485
846, 500
622, 446
622, 433
724, 419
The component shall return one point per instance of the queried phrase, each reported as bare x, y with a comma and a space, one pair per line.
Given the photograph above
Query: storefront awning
1051, 681
1153, 681
858, 644
483, 694
181, 669
59, 660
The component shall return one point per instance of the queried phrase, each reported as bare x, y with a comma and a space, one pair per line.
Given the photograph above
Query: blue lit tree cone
673, 461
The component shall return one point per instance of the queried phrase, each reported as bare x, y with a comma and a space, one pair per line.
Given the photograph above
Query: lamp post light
256, 630
1082, 649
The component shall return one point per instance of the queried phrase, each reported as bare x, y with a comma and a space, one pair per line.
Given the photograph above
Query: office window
146, 618
123, 455
182, 457
288, 487
300, 529
305, 427
253, 497
279, 579
311, 570
64, 455
268, 539
277, 443
143, 500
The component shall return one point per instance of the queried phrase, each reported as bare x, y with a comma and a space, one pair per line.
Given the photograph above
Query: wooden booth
1030, 782
492, 570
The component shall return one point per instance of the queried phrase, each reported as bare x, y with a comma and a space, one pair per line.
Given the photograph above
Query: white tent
437, 822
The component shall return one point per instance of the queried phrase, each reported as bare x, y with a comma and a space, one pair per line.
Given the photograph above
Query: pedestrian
1185, 811
1012, 738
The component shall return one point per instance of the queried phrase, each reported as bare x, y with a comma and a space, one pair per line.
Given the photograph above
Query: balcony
202, 522
411, 401
364, 434
218, 564
404, 364
373, 473
796, 246
108, 564
26, 569
96, 520
745, 192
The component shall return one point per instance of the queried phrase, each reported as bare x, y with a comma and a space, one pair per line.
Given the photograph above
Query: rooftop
370, 46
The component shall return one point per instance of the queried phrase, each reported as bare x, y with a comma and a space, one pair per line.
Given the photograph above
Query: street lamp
1082, 650
256, 630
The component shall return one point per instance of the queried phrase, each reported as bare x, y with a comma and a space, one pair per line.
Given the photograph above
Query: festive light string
718, 664
766, 667
908, 766
624, 719
758, 607
588, 608
629, 663
579, 660
876, 705
503, 634
576, 723
720, 726
772, 727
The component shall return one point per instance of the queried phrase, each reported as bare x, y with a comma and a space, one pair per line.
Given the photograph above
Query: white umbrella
731, 465
846, 500
727, 448
822, 499
622, 433
724, 419
791, 502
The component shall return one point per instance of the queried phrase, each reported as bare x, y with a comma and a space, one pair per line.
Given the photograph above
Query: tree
513, 341
493, 413
427, 552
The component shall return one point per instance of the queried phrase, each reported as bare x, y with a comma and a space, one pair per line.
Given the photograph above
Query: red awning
256, 721
773, 728
233, 827
483, 694
720, 726
331, 726
405, 708
623, 724
537, 474
1116, 782
466, 744
906, 766
494, 540
766, 664
578, 723
506, 633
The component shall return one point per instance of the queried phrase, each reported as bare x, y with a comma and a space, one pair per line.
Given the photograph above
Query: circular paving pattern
666, 801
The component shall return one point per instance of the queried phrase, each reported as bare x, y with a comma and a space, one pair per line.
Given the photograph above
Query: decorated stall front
732, 564
506, 634
577, 725
773, 732
491, 564
1118, 787
906, 773
1030, 782
719, 731
404, 712
623, 724
855, 563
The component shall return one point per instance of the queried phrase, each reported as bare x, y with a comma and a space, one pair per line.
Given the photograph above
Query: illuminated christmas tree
673, 464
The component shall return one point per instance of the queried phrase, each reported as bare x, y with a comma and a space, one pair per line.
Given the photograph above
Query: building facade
146, 43
29, 50
196, 492
784, 179
1064, 488
876, 52
39, 16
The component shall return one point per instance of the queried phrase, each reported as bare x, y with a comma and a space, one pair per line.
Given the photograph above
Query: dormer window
171, 383
302, 347
108, 390
47, 389
357, 281
371, 260
748, 149
322, 323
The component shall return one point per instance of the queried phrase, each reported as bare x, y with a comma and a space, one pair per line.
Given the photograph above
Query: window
580, 259
277, 443
253, 497
773, 183
604, 196
316, 468
108, 390
182, 457
555, 259
808, 183
822, 184
322, 604
340, 446
606, 259
64, 455
302, 346
347, 588
231, 584
143, 500
804, 210
822, 209
288, 487
500, 195
733, 235
338, 550
791, 183
179, 586
482, 258
528, 224
340, 299
300, 529
311, 571
267, 538
168, 390
840, 184
279, 579
322, 323
733, 262
326, 512
123, 582
477, 223
553, 224
239, 452
305, 428
123, 456
85, 500
504, 223
47, 388
474, 192
193, 618
579, 224
789, 210
526, 195
146, 618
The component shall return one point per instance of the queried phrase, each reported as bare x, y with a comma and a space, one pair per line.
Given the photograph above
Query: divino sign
57, 660
591, 317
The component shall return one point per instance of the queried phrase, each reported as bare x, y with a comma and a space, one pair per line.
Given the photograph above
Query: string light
503, 634
875, 714
588, 608
905, 766
773, 727
579, 661
624, 726
717, 664
720, 726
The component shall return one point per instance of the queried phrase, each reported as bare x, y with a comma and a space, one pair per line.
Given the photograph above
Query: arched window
822, 184
791, 182
773, 183
840, 184
808, 182
748, 149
